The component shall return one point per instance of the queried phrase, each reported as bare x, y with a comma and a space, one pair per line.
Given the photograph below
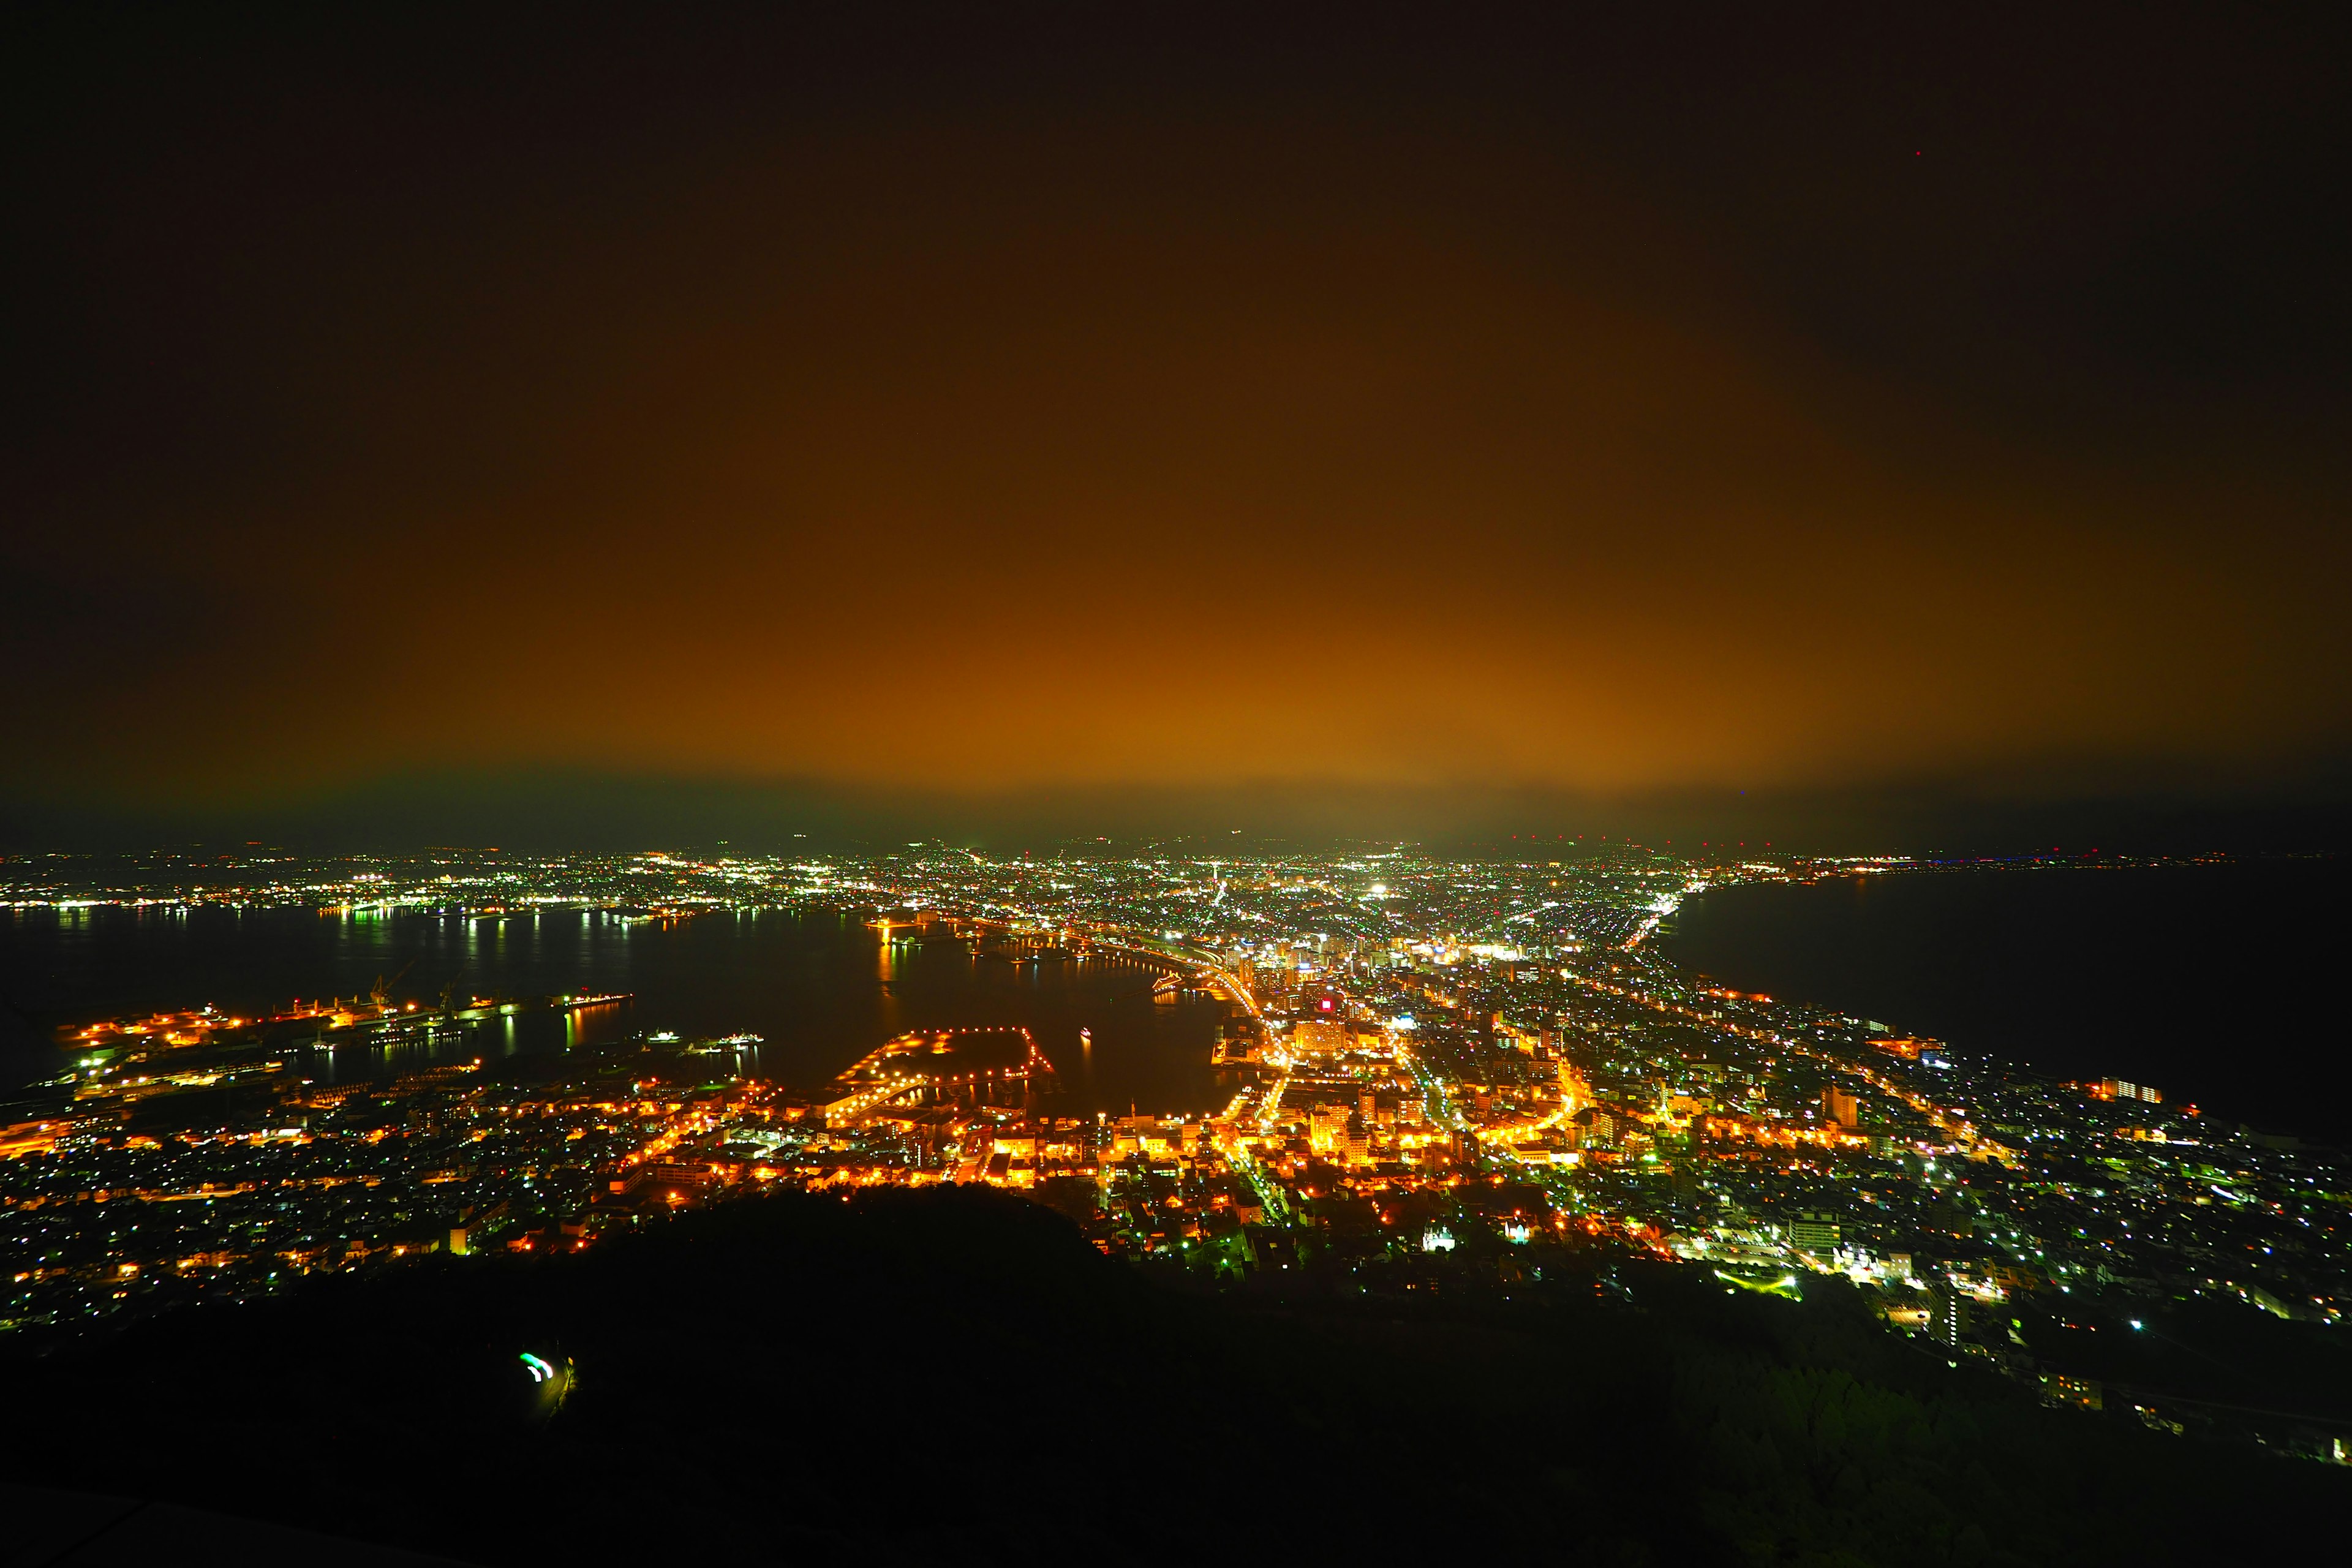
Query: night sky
1161, 402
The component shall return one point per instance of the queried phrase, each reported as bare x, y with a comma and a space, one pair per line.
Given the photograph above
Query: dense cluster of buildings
1439, 1069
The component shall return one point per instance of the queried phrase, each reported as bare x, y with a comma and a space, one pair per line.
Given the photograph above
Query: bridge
1193, 966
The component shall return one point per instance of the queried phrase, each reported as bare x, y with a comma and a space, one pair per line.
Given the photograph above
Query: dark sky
1165, 398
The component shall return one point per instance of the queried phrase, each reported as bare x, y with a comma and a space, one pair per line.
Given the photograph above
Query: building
1948, 1315
1814, 1232
1327, 1128
1313, 1037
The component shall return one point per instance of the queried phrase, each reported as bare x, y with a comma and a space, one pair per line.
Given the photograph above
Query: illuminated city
1439, 1069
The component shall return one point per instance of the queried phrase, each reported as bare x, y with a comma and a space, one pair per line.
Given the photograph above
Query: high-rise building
1948, 1314
1840, 1107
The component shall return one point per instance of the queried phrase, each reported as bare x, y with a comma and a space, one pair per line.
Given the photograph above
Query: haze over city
990, 412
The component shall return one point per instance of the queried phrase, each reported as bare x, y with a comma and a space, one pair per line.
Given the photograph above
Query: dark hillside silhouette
955, 1373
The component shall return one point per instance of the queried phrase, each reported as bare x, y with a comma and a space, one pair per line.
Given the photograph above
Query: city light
1399, 1090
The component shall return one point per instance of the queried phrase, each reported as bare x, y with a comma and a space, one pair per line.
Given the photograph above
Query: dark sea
2223, 985
821, 989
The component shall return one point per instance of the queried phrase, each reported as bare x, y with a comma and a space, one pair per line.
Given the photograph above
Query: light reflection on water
820, 988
